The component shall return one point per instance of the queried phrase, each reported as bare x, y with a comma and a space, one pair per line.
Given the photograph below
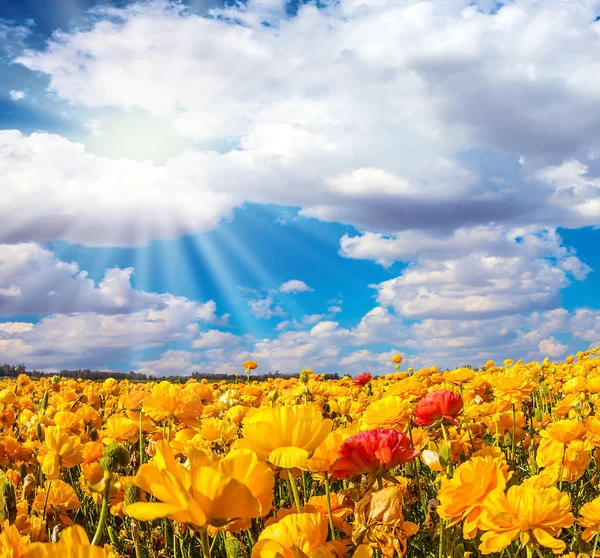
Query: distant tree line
13, 370
258, 377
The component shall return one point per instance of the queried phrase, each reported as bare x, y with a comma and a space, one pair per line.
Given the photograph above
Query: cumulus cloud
474, 287
552, 347
499, 274
89, 339
170, 363
263, 306
215, 339
497, 240
34, 281
16, 94
452, 137
376, 136
294, 286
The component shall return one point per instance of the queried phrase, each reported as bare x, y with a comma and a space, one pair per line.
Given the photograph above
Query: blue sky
189, 185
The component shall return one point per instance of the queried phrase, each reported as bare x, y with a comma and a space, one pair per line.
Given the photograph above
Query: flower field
501, 461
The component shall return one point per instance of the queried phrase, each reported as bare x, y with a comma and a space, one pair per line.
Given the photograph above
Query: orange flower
59, 450
74, 543
526, 511
590, 519
463, 496
59, 498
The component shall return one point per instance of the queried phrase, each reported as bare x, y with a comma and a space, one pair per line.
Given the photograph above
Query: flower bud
114, 457
445, 454
8, 501
432, 460
132, 493
235, 548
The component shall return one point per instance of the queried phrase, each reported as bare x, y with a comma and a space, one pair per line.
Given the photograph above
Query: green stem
136, 539
294, 489
441, 548
379, 483
514, 433
141, 441
104, 510
46, 500
595, 544
562, 467
329, 512
205, 543
418, 472
444, 433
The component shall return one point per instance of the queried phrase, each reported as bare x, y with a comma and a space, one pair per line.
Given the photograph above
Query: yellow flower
289, 434
513, 387
204, 492
564, 431
168, 401
459, 376
12, 544
562, 450
327, 452
524, 511
59, 450
464, 495
295, 536
74, 543
120, 429
390, 412
590, 519
213, 429
58, 498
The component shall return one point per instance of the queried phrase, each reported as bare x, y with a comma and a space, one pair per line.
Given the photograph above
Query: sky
188, 185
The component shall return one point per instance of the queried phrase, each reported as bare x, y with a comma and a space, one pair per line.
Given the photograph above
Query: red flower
371, 451
439, 404
362, 379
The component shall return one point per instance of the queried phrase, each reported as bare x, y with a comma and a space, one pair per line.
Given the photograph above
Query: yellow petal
147, 511
289, 457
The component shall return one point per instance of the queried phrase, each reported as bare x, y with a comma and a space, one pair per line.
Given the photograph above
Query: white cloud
294, 286
93, 340
487, 240
474, 287
499, 274
17, 94
34, 281
454, 138
377, 136
215, 339
552, 348
170, 363
312, 318
264, 307
54, 189
94, 127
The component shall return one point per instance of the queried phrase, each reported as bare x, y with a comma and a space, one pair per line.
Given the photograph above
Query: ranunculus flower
362, 379
371, 451
439, 404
